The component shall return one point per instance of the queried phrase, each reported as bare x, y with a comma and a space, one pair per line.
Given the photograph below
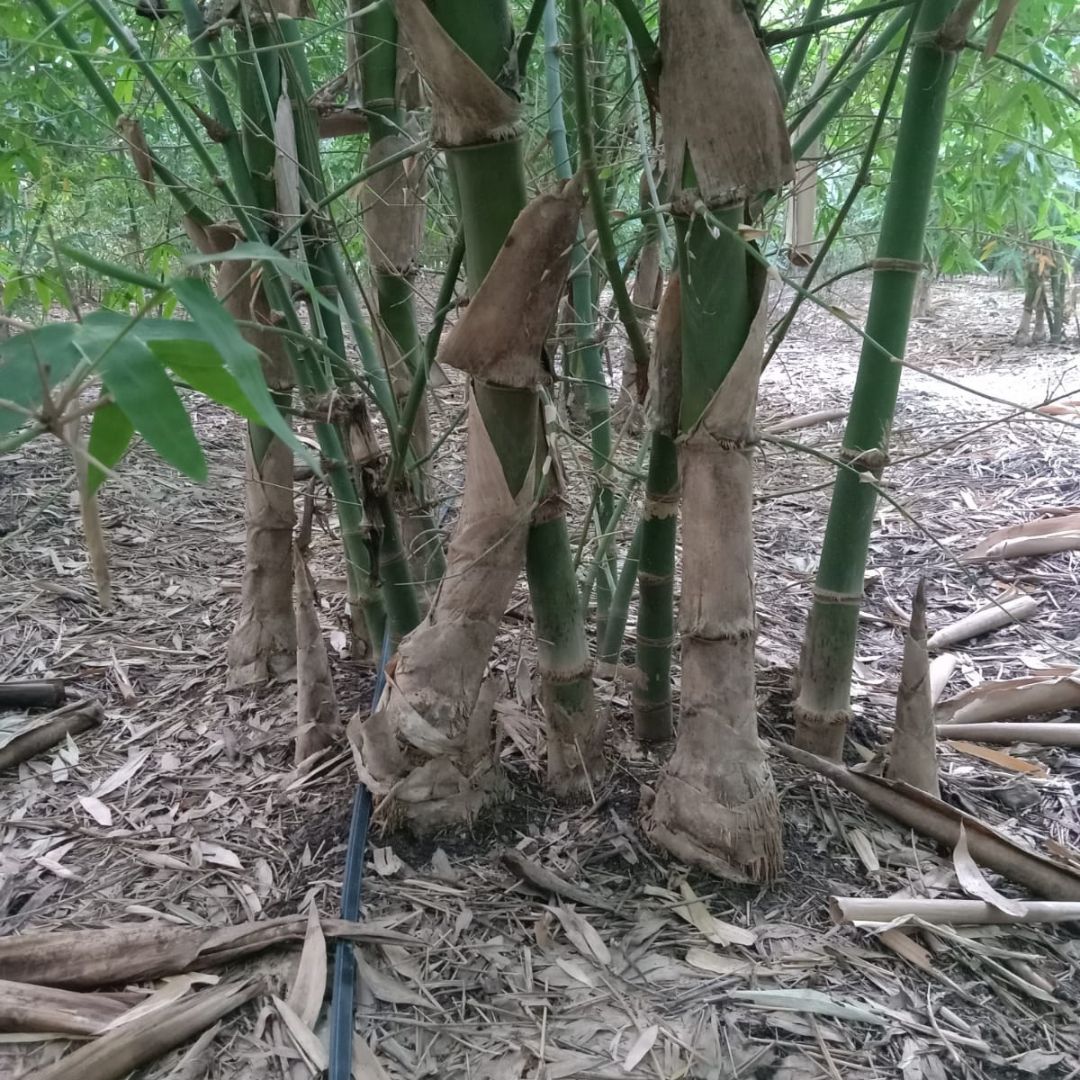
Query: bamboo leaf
110, 436
31, 361
582, 935
809, 1001
973, 882
308, 988
240, 358
642, 1045
204, 370
256, 251
140, 387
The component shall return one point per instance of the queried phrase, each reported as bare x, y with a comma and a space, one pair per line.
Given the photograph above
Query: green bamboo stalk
394, 288
588, 358
583, 108
609, 649
653, 718
799, 50
647, 49
398, 589
310, 374
823, 705
490, 184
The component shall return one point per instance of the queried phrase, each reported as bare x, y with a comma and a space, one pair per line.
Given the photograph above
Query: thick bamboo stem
823, 706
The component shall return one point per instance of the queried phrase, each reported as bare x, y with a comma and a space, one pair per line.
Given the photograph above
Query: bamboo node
872, 460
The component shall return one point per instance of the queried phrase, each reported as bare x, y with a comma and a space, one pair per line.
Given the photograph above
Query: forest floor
184, 806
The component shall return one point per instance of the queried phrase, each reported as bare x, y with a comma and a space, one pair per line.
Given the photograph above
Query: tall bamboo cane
824, 707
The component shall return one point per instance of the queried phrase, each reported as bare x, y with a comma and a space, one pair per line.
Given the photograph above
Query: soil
184, 807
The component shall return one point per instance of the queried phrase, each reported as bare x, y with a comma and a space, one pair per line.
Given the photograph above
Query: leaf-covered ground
183, 807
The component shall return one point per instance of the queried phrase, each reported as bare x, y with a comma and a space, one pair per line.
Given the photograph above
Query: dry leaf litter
184, 808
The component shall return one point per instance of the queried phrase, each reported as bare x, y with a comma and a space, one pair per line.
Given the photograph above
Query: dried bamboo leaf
722, 112
1012, 699
641, 1046
305, 1040
527, 278
547, 881
718, 964
973, 882
1004, 12
131, 132
694, 911
366, 1066
28, 1008
118, 1052
308, 987
582, 935
385, 987
808, 1001
942, 822
172, 989
913, 752
1042, 537
467, 107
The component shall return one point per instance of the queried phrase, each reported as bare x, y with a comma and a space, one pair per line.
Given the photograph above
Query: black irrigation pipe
343, 993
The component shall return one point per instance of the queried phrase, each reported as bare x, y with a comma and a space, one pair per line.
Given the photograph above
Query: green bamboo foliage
716, 803
823, 707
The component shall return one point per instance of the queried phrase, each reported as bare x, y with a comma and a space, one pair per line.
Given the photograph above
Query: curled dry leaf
1042, 537
694, 911
467, 107
1012, 699
527, 277
305, 1040
385, 987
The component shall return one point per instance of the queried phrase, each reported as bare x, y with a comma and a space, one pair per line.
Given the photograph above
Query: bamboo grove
605, 188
